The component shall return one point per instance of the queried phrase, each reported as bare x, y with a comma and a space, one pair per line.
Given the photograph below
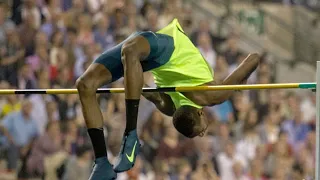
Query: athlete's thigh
161, 49
111, 59
96, 75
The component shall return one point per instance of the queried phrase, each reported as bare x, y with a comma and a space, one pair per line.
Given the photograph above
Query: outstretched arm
162, 101
241, 74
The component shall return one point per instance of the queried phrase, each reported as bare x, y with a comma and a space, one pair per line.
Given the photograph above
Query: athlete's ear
200, 112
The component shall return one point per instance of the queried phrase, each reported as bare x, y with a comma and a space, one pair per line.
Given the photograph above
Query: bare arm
241, 74
162, 101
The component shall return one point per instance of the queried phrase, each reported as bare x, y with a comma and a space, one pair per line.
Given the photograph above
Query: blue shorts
161, 49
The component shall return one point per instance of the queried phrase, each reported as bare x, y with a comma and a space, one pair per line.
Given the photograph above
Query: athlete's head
190, 121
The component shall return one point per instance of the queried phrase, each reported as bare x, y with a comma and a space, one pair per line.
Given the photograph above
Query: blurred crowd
256, 135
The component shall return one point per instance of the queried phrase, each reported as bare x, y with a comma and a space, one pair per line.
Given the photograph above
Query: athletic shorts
161, 49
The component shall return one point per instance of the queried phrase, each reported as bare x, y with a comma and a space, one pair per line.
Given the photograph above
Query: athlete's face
203, 123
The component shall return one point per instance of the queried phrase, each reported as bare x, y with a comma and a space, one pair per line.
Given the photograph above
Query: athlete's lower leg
93, 78
238, 76
133, 82
243, 71
87, 85
92, 116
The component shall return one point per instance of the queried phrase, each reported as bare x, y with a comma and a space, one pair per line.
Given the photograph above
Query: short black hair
185, 119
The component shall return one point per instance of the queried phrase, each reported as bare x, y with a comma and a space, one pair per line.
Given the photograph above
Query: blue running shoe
130, 148
102, 170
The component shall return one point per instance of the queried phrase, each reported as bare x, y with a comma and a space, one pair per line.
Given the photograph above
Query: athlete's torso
186, 66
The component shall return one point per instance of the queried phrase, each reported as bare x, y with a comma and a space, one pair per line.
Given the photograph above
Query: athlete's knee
137, 47
85, 85
129, 50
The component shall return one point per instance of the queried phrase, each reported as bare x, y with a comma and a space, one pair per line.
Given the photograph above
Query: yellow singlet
186, 67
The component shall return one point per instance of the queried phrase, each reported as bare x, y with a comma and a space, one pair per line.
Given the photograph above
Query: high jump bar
310, 85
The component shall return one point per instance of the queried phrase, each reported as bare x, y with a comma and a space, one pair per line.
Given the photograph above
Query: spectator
204, 171
48, 145
85, 35
279, 158
70, 137
118, 19
39, 112
38, 61
308, 106
291, 105
247, 125
74, 50
304, 159
12, 104
58, 56
41, 40
183, 170
205, 47
28, 26
221, 68
3, 100
24, 78
166, 16
5, 23
78, 166
261, 98
269, 130
102, 34
20, 130
52, 110
152, 135
297, 130
205, 28
138, 172
203, 146
232, 52
27, 8
227, 159
152, 19
52, 15
221, 139
241, 106
161, 170
88, 57
248, 144
64, 77
223, 112
68, 107
169, 148
11, 55
256, 171
77, 8
297, 172
238, 171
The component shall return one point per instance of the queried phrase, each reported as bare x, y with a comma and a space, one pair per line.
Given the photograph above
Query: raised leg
238, 76
95, 76
132, 53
